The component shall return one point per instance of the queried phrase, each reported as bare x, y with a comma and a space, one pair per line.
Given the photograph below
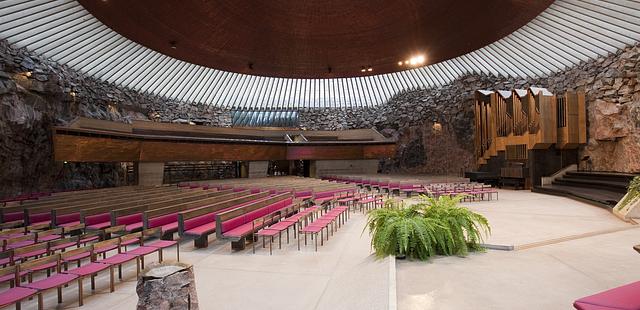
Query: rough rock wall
613, 107
36, 93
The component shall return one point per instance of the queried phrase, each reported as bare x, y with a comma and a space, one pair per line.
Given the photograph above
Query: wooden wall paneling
379, 151
94, 149
155, 151
324, 152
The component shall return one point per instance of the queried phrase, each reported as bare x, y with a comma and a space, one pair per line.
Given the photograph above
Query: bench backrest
137, 210
233, 218
97, 208
201, 215
155, 217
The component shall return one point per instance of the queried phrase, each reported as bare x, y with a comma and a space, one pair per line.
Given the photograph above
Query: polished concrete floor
562, 250
341, 275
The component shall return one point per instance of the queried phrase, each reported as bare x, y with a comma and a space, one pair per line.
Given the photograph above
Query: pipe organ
515, 122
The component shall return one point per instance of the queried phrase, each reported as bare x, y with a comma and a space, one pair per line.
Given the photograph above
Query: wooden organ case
522, 135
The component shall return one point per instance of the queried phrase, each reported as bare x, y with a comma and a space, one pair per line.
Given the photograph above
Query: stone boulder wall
36, 93
613, 107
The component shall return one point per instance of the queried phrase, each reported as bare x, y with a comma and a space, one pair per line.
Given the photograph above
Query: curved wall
566, 33
36, 93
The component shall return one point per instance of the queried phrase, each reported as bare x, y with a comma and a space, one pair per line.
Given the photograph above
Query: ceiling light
399, 63
370, 69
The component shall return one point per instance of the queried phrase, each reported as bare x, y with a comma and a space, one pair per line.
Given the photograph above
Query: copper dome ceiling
313, 39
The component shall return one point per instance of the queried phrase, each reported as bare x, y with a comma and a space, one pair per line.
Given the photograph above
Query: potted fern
431, 227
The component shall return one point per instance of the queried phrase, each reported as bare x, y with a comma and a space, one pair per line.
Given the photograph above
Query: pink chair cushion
54, 280
40, 218
97, 219
67, 218
70, 224
10, 277
118, 259
142, 250
312, 229
626, 297
199, 221
14, 216
281, 225
129, 219
232, 223
134, 226
268, 232
89, 239
239, 231
15, 294
172, 227
161, 244
163, 220
204, 229
89, 269
98, 226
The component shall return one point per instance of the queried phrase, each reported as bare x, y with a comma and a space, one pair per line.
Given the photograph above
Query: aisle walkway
341, 275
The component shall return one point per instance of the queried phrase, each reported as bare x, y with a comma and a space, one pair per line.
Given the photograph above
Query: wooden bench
100, 217
199, 223
42, 212
59, 216
237, 224
166, 218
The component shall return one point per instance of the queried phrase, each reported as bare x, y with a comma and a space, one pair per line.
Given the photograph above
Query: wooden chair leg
80, 301
40, 302
111, 279
59, 295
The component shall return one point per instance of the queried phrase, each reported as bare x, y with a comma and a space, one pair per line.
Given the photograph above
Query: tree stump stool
168, 285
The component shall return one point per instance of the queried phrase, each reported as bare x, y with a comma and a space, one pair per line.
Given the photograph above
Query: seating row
59, 263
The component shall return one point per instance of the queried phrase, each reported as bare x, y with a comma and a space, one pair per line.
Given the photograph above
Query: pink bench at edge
626, 297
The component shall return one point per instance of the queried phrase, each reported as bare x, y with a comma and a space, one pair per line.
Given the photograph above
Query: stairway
602, 189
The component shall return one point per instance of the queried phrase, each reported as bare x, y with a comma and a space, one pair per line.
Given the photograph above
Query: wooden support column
258, 169
150, 174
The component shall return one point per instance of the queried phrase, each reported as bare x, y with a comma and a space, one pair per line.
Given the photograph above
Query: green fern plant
403, 231
466, 227
431, 227
633, 192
